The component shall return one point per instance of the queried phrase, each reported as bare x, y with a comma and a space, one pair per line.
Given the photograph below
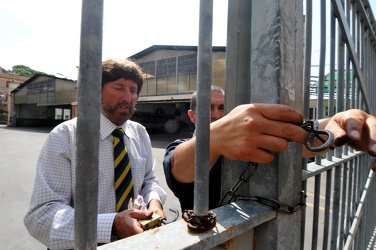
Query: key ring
312, 127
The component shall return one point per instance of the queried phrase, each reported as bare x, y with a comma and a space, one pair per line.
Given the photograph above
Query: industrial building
170, 79
43, 100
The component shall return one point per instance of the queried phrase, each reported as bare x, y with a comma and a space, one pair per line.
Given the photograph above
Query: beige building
8, 82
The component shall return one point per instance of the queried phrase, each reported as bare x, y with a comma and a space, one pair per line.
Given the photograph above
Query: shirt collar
107, 127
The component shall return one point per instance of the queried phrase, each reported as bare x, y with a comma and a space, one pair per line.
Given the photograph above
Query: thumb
141, 214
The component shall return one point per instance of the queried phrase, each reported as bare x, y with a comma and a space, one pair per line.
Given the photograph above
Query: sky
45, 34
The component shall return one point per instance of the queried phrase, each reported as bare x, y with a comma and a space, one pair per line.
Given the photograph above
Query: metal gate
270, 59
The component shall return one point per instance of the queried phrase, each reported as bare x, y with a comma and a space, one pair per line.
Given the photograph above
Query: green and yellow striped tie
123, 173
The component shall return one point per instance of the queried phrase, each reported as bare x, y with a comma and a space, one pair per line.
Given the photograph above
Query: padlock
154, 221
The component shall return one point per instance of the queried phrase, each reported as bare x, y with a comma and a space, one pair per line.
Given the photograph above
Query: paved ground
19, 152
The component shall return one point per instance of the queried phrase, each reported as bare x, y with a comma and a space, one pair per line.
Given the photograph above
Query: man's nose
215, 114
127, 96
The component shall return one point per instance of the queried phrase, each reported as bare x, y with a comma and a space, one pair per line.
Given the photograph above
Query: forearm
51, 224
183, 160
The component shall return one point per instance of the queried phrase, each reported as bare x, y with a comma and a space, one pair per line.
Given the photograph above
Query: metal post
88, 124
204, 73
237, 83
276, 77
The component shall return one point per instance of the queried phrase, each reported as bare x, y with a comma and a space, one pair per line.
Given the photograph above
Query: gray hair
214, 88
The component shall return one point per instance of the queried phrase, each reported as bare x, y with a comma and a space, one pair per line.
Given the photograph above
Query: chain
231, 194
276, 205
310, 126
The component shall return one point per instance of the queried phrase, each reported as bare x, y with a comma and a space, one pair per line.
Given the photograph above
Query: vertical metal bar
307, 59
343, 205
88, 123
340, 78
237, 82
335, 210
306, 98
347, 71
355, 38
350, 201
320, 93
304, 210
328, 194
204, 74
316, 209
331, 105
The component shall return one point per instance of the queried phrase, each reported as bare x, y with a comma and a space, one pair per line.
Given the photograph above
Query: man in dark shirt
184, 190
252, 132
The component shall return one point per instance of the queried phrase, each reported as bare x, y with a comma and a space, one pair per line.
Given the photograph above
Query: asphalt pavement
19, 153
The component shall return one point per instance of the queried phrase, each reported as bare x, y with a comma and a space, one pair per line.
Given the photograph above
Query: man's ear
192, 116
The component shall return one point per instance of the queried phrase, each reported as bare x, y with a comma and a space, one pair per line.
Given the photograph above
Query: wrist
114, 236
155, 203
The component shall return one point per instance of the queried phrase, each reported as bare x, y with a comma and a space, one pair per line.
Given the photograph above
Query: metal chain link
276, 205
231, 194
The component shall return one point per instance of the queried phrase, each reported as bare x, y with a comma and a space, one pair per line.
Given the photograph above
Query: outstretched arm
248, 133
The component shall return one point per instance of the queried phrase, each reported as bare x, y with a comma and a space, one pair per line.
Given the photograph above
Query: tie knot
119, 133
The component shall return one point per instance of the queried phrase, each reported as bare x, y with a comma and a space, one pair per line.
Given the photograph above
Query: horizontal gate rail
314, 169
233, 220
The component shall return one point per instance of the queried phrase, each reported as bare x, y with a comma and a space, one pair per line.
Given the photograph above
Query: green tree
24, 70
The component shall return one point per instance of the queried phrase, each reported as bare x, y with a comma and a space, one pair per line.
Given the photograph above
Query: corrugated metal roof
170, 47
31, 79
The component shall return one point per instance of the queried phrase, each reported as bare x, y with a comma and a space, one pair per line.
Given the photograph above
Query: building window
41, 92
171, 85
187, 64
58, 114
166, 67
151, 86
67, 114
183, 83
161, 85
192, 82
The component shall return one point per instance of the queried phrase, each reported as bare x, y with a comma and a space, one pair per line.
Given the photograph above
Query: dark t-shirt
185, 191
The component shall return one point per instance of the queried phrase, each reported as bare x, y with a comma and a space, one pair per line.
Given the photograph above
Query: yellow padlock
154, 221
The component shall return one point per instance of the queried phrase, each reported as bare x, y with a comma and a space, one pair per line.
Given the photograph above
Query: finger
259, 155
141, 214
279, 112
263, 146
287, 131
274, 144
354, 122
373, 166
371, 123
337, 126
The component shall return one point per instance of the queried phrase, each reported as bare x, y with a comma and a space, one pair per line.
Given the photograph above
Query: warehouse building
43, 100
170, 79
